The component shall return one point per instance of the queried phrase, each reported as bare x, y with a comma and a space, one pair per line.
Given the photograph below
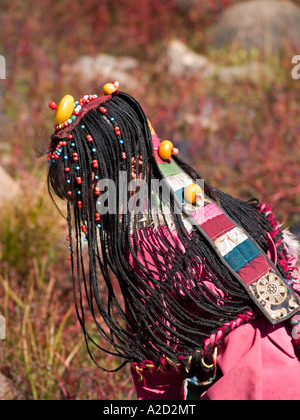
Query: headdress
189, 272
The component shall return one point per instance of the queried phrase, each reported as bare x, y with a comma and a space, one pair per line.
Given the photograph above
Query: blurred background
216, 77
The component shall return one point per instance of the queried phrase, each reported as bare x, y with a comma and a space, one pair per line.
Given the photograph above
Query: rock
104, 67
269, 25
253, 71
182, 61
9, 188
8, 390
184, 5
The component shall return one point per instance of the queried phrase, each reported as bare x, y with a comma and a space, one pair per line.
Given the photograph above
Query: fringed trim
184, 362
216, 338
277, 235
287, 250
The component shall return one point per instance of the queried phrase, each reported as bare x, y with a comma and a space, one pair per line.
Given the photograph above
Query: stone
182, 61
9, 188
103, 67
269, 25
185, 5
254, 72
8, 390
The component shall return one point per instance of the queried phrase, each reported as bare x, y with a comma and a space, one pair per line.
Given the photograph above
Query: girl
210, 306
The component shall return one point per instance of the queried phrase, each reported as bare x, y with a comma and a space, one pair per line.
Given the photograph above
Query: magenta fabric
208, 212
257, 361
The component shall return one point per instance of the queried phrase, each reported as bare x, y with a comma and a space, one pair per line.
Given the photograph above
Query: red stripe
217, 226
254, 270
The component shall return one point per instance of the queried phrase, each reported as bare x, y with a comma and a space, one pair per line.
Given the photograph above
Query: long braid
168, 309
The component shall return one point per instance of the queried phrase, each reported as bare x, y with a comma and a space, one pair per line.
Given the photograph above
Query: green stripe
241, 255
169, 168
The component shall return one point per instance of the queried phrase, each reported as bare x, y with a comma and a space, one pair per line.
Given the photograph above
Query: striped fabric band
237, 250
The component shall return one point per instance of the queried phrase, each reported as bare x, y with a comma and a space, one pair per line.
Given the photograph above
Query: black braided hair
167, 309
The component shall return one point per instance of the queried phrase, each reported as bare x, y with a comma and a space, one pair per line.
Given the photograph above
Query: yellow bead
110, 88
190, 193
64, 109
165, 149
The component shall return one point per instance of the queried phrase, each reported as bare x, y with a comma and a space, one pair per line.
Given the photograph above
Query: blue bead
77, 168
73, 144
96, 177
85, 239
68, 181
65, 157
121, 141
78, 192
69, 247
98, 226
112, 119
94, 150
83, 126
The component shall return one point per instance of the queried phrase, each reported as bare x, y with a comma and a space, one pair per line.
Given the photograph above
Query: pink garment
257, 361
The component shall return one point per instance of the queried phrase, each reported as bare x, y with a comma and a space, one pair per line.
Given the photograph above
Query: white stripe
230, 240
178, 181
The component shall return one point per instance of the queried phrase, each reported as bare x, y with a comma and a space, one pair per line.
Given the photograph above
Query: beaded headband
69, 113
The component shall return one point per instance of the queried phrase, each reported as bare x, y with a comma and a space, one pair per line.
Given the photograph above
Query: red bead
52, 105
83, 228
103, 110
69, 192
79, 204
124, 155
70, 136
89, 138
69, 258
78, 179
97, 191
97, 217
67, 169
67, 238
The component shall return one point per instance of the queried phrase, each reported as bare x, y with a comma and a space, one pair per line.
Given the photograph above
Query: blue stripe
179, 194
241, 255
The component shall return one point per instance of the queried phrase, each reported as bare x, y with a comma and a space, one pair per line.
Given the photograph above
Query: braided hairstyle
167, 310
